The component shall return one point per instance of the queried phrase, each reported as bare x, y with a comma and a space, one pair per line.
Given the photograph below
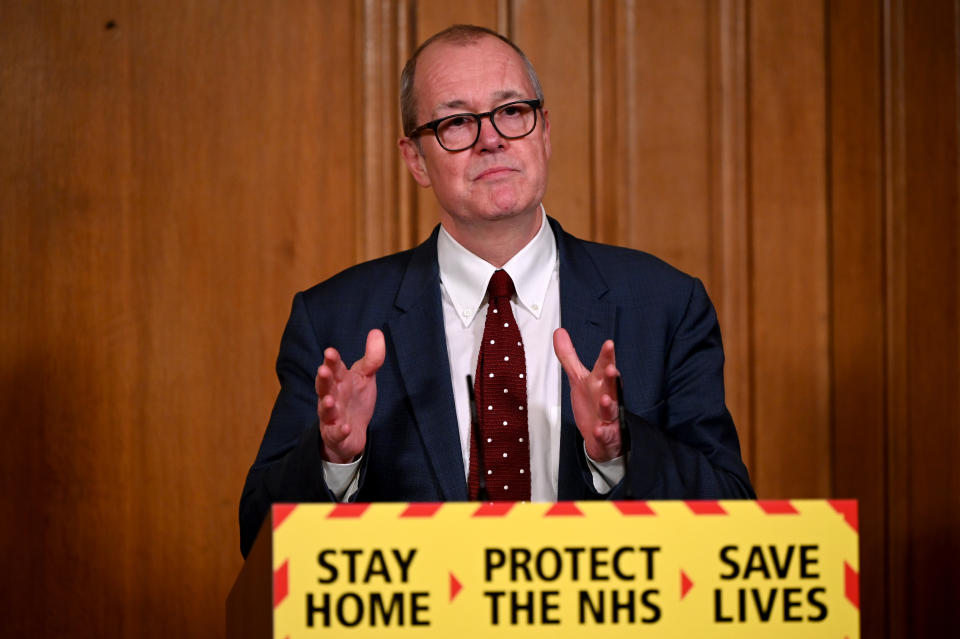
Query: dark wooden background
172, 172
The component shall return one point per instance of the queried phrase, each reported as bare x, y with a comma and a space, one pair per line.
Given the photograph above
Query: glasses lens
457, 132
515, 120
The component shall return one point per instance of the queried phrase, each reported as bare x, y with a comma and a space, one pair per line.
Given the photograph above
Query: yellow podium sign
656, 569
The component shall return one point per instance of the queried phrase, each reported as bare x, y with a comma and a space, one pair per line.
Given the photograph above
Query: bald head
458, 35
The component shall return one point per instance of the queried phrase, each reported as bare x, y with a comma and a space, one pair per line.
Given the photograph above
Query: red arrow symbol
685, 585
455, 586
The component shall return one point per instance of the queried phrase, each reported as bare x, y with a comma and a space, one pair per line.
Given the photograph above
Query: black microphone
622, 418
482, 494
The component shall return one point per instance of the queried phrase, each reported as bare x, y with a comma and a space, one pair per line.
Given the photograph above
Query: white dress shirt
536, 307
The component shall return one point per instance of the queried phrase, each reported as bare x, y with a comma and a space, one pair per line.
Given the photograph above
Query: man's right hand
346, 397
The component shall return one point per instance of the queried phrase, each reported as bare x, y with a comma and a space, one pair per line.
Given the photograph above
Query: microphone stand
622, 418
482, 494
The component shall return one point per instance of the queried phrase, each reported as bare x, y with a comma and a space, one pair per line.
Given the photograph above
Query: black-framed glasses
461, 131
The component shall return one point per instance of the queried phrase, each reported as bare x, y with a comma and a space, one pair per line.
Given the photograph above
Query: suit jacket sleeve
685, 446
288, 465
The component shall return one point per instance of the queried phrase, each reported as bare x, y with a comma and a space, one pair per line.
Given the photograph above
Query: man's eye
456, 121
510, 111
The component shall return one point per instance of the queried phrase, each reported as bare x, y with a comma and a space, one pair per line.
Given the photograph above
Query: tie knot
500, 284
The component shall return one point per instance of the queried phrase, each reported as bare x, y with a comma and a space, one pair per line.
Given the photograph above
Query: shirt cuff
606, 474
343, 479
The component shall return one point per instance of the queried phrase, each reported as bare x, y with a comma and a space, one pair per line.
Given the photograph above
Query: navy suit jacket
682, 440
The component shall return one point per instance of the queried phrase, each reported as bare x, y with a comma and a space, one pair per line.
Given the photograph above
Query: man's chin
492, 217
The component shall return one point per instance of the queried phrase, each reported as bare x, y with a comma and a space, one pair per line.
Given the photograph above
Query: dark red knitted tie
501, 392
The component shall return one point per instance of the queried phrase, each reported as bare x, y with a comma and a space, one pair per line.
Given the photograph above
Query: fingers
324, 382
330, 372
594, 396
373, 355
606, 370
567, 355
608, 439
328, 410
331, 357
607, 408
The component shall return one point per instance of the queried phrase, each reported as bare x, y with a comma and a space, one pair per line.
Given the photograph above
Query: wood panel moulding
728, 204
791, 391
857, 285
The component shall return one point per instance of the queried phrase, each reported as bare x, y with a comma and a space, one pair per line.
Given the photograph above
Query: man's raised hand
593, 394
345, 399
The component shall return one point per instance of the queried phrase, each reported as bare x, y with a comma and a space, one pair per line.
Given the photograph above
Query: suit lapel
418, 337
590, 320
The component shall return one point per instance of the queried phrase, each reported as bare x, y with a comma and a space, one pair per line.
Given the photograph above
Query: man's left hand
593, 394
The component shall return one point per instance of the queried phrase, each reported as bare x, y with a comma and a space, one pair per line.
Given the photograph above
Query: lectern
566, 569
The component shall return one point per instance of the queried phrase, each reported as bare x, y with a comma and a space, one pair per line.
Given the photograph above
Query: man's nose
490, 139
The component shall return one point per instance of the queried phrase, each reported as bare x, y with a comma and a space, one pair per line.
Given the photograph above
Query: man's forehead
452, 74
500, 95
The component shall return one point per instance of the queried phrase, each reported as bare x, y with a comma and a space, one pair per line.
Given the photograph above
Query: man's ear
546, 132
413, 158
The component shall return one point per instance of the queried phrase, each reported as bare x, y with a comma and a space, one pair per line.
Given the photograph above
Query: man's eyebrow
504, 94
452, 104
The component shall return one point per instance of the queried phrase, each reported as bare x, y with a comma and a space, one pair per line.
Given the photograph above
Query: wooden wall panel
857, 279
555, 36
729, 205
385, 191
791, 391
612, 130
669, 214
60, 474
172, 174
170, 182
931, 212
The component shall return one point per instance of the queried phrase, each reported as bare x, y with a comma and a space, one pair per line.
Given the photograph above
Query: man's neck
495, 241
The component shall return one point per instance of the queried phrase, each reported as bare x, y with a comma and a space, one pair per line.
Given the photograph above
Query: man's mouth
494, 172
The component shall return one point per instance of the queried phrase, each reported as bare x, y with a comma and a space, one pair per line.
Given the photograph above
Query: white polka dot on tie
493, 341
521, 471
489, 472
521, 440
491, 374
489, 439
506, 358
504, 454
520, 407
495, 311
521, 375
504, 422
506, 487
505, 390
506, 325
519, 344
490, 407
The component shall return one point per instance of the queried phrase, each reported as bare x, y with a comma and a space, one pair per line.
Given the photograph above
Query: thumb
374, 353
567, 354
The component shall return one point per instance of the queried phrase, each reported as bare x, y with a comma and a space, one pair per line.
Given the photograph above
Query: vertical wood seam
592, 86
748, 227
629, 211
829, 237
360, 75
735, 209
505, 18
406, 193
895, 355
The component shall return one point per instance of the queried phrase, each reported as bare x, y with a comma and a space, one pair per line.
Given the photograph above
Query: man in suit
395, 424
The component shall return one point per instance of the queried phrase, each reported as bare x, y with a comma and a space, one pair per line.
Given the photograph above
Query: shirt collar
465, 276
